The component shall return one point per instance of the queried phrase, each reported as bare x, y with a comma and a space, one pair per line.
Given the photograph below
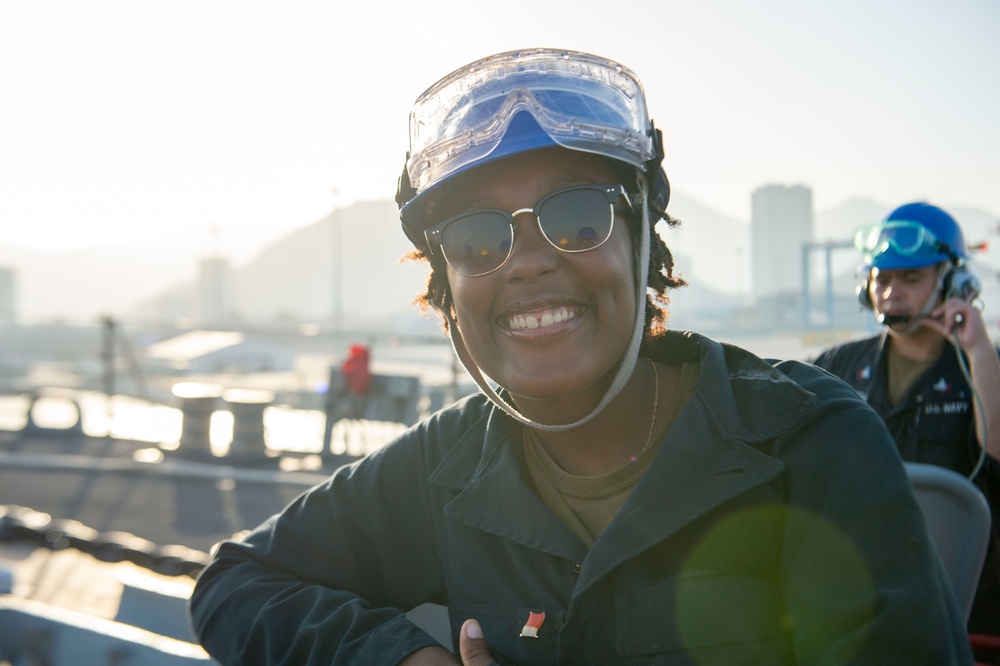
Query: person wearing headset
932, 373
617, 492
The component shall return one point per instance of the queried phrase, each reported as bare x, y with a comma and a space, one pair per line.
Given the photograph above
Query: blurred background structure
197, 226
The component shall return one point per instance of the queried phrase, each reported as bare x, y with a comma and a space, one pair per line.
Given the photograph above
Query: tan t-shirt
903, 372
587, 504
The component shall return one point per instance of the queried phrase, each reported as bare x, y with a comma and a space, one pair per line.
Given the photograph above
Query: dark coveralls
759, 534
933, 423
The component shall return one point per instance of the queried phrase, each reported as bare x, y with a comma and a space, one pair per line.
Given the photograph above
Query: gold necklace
656, 403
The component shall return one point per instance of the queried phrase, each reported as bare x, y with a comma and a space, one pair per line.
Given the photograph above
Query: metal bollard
247, 407
54, 410
198, 402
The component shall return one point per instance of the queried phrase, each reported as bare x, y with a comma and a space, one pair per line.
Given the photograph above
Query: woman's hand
471, 643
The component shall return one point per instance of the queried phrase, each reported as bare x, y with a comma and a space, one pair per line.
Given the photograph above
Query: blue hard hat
519, 101
912, 236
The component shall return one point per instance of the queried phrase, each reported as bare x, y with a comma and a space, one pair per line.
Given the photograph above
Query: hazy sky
136, 120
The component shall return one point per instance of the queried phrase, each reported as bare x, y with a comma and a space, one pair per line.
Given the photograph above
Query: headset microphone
892, 320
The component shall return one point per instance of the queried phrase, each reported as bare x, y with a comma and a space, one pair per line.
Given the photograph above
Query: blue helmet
912, 236
519, 101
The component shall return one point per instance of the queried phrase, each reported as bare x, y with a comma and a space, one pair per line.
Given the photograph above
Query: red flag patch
531, 627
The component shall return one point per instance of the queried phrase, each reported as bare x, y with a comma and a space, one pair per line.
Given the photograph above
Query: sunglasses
572, 219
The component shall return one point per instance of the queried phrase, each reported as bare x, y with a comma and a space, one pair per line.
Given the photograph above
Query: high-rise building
8, 297
781, 224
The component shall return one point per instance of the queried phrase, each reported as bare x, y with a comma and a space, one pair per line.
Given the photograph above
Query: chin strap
625, 367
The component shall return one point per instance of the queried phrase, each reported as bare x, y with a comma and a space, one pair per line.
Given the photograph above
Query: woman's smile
537, 320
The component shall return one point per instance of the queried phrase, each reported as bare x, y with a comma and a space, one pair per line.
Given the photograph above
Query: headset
959, 282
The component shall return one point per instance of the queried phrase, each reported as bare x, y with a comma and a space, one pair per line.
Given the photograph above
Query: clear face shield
582, 102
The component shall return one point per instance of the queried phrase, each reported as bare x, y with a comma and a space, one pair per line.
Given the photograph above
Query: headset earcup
960, 283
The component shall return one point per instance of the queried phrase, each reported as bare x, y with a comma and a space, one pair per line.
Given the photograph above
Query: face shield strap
628, 360
657, 185
404, 190
404, 193
944, 248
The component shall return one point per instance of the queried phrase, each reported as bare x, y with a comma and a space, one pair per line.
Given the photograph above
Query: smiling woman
618, 492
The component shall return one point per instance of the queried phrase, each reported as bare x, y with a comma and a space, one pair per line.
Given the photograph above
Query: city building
781, 225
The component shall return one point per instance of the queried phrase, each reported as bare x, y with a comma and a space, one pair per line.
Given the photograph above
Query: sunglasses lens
477, 243
577, 220
573, 220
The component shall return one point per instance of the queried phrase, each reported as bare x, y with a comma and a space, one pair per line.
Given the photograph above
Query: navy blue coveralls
933, 423
760, 534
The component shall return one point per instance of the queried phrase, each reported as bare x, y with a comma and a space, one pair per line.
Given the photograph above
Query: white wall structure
8, 296
215, 290
781, 223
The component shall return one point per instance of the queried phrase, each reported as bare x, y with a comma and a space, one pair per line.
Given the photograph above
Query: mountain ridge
292, 278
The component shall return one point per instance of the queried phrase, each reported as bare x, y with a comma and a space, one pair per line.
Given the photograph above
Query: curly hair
659, 279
